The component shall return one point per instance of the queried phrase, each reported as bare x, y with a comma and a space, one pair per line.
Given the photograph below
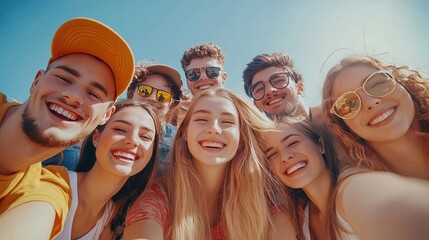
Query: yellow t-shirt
35, 183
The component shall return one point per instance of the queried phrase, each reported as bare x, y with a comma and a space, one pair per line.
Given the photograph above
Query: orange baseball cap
85, 35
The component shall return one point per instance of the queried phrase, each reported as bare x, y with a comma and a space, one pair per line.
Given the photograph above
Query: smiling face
204, 82
69, 100
380, 118
277, 102
159, 82
213, 133
294, 158
125, 145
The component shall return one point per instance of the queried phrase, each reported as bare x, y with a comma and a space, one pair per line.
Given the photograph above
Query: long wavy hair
244, 199
296, 199
361, 154
135, 184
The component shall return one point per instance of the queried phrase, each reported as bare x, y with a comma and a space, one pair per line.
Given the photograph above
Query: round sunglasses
194, 74
161, 96
378, 84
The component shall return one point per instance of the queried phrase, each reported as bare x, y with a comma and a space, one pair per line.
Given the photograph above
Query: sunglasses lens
347, 106
212, 72
163, 96
145, 90
379, 85
193, 74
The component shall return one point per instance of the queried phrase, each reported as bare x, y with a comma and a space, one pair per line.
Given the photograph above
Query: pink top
153, 204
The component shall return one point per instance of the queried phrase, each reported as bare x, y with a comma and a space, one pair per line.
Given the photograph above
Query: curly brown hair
264, 61
201, 51
358, 149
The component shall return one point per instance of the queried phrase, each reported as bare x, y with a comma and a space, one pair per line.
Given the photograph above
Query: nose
287, 155
269, 89
132, 140
369, 102
214, 128
73, 96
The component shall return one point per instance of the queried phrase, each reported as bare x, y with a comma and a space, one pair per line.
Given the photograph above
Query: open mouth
63, 113
382, 116
125, 155
297, 166
274, 101
204, 87
212, 145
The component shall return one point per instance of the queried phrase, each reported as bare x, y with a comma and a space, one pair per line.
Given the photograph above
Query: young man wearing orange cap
90, 66
203, 67
159, 85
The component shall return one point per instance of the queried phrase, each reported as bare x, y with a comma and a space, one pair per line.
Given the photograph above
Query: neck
15, 144
302, 109
97, 187
397, 154
319, 191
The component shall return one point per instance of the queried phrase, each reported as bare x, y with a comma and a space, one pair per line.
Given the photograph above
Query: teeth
212, 144
125, 155
63, 112
203, 87
276, 100
295, 167
382, 117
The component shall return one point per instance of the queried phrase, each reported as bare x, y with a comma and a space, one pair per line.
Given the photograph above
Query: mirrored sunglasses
161, 96
194, 74
378, 84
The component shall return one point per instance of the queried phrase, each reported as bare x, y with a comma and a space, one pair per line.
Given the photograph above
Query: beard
34, 133
288, 111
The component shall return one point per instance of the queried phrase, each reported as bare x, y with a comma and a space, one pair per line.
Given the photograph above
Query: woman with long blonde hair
380, 112
217, 187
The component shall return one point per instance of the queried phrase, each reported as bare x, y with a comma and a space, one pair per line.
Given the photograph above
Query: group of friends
77, 162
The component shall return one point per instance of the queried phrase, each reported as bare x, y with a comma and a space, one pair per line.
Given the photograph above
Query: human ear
107, 115
95, 137
300, 87
37, 78
321, 146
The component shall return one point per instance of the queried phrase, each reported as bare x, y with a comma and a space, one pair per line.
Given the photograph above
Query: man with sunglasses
161, 86
203, 67
277, 87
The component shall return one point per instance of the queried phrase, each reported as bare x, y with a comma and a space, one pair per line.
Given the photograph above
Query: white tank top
99, 226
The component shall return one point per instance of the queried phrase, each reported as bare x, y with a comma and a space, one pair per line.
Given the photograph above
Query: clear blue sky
309, 31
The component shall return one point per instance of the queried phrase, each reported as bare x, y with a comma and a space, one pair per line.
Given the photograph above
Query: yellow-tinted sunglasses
378, 84
161, 96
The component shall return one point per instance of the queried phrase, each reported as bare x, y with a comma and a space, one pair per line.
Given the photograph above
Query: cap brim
84, 35
167, 71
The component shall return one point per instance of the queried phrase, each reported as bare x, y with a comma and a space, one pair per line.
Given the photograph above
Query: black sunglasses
194, 74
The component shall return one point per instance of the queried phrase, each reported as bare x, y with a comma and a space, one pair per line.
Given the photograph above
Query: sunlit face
204, 82
294, 159
159, 82
277, 102
69, 100
213, 132
380, 118
126, 144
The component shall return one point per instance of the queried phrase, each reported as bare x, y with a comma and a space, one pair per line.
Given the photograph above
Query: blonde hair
243, 201
362, 155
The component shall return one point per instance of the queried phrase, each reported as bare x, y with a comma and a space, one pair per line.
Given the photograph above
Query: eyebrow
283, 140
208, 112
129, 124
77, 74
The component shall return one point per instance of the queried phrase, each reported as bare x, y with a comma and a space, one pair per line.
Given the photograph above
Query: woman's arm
144, 229
383, 205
